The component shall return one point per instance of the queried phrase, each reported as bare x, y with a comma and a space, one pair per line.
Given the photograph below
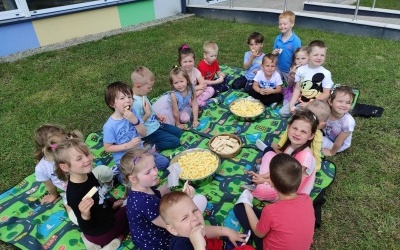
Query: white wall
166, 8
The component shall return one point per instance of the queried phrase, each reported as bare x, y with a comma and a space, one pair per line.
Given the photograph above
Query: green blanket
28, 225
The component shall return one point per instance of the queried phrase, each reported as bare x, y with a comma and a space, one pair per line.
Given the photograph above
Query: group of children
137, 131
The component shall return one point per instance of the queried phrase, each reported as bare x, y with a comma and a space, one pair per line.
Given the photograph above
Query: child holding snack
288, 223
186, 59
267, 82
286, 43
141, 177
251, 63
186, 224
124, 128
340, 125
210, 70
180, 104
103, 222
162, 135
301, 132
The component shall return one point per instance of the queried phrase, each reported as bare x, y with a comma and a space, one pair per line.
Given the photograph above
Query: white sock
113, 245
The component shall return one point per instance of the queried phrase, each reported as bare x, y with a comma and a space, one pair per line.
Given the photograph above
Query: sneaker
249, 187
89, 245
113, 245
212, 100
273, 105
261, 145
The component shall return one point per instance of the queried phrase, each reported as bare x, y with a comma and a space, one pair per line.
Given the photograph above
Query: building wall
19, 36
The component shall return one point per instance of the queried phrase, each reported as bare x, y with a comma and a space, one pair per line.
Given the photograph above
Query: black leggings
241, 215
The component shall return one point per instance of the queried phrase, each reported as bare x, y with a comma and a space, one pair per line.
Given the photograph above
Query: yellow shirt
316, 146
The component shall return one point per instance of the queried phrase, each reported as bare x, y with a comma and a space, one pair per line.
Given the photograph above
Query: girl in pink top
301, 131
186, 59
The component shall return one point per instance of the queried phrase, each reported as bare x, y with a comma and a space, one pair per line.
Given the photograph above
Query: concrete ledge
304, 20
349, 9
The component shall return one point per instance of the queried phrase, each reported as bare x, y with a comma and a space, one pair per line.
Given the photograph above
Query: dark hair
112, 91
256, 36
184, 50
271, 57
169, 200
307, 116
177, 71
285, 173
315, 43
342, 89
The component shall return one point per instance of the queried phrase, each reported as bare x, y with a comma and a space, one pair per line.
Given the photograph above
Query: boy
209, 68
322, 111
286, 43
163, 136
186, 224
287, 223
313, 81
252, 61
124, 128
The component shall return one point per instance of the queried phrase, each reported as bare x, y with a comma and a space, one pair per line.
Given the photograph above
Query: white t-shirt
44, 171
313, 80
265, 83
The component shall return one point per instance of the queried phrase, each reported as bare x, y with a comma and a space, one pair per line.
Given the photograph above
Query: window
10, 9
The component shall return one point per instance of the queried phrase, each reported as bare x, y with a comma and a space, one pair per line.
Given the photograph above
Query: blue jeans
165, 137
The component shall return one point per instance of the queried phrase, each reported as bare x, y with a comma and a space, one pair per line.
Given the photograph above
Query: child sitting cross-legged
186, 224
289, 222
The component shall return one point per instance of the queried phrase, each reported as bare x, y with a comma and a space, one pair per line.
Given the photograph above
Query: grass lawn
383, 4
66, 87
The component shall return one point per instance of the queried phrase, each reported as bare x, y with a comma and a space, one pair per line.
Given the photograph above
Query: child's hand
189, 190
130, 116
276, 51
182, 126
234, 237
49, 199
195, 123
134, 142
161, 118
197, 238
146, 107
326, 152
84, 207
117, 204
254, 53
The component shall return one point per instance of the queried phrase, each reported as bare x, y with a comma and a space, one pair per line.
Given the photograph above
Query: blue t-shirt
288, 48
255, 65
119, 132
151, 124
141, 210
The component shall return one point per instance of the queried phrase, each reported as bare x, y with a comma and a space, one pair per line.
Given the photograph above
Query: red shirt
208, 71
289, 224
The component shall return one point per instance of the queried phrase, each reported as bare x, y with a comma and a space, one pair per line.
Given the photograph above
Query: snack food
127, 107
223, 144
90, 193
196, 165
246, 108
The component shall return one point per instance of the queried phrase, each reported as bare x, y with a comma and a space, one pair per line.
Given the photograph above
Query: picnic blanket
27, 224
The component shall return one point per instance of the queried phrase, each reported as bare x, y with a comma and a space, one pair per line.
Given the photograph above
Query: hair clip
185, 46
335, 86
53, 146
315, 118
135, 160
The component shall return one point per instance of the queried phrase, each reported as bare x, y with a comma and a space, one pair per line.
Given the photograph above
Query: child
186, 59
209, 68
313, 81
322, 111
186, 224
300, 58
180, 104
301, 131
163, 136
340, 125
47, 138
289, 222
103, 222
124, 127
141, 176
267, 82
252, 61
286, 43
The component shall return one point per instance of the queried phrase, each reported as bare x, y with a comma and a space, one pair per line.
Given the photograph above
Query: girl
267, 82
103, 221
340, 125
179, 104
186, 59
148, 230
47, 137
301, 131
300, 58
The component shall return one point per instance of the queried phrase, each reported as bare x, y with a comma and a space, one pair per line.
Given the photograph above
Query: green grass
383, 4
66, 87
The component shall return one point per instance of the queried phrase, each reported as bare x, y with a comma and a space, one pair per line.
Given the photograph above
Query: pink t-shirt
289, 224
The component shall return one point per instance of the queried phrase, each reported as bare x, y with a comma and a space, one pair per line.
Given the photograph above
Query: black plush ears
367, 111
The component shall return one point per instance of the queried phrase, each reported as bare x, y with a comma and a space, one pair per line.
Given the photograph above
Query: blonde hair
289, 15
43, 134
54, 140
209, 47
142, 76
320, 108
176, 71
131, 163
62, 155
168, 200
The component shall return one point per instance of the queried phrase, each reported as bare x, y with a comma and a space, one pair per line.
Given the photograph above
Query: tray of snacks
197, 164
225, 145
246, 108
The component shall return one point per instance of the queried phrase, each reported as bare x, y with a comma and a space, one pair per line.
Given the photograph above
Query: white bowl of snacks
247, 108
